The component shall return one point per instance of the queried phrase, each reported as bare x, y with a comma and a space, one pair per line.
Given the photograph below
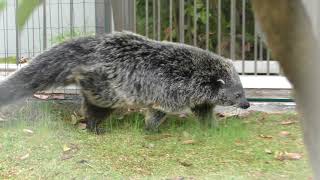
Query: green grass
233, 151
8, 60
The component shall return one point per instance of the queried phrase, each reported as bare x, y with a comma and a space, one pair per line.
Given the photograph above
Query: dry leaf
120, 117
246, 113
57, 96
284, 133
66, 148
183, 115
281, 156
241, 114
288, 122
190, 141
184, 163
69, 151
49, 96
2, 119
41, 96
131, 110
186, 134
66, 156
27, 131
82, 126
293, 156
157, 137
220, 115
23, 60
268, 151
148, 145
265, 136
73, 119
24, 156
238, 143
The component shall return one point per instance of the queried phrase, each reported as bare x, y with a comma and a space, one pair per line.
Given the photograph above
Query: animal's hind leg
153, 119
94, 116
205, 115
96, 91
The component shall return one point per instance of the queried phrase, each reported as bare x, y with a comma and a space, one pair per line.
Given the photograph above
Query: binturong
123, 69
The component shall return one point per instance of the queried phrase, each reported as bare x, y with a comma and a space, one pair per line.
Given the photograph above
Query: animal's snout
244, 104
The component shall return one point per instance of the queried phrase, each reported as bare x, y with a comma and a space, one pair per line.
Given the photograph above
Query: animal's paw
93, 127
97, 130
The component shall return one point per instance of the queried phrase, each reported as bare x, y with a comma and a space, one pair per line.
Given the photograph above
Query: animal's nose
244, 104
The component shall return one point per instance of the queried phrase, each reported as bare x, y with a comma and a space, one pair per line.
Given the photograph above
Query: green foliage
25, 9
201, 24
2, 5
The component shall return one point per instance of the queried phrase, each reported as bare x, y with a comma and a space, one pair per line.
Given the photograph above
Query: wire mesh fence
51, 23
225, 27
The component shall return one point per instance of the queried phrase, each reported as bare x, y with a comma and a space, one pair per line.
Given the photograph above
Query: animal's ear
221, 81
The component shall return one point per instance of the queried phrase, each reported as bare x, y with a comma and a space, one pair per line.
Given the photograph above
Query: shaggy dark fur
125, 69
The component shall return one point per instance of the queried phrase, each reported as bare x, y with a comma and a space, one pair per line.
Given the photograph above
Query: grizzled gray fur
125, 69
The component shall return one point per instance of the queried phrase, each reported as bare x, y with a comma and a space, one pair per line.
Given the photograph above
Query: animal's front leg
153, 119
205, 115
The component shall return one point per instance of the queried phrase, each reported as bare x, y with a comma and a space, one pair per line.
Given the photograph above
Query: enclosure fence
226, 27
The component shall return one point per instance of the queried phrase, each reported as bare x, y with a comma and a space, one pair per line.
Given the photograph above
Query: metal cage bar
243, 52
147, 18
233, 30
207, 24
195, 20
71, 19
17, 33
181, 21
154, 18
44, 32
170, 20
219, 27
159, 20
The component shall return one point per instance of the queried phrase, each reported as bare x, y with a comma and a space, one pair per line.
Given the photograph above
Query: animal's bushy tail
36, 76
49, 69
